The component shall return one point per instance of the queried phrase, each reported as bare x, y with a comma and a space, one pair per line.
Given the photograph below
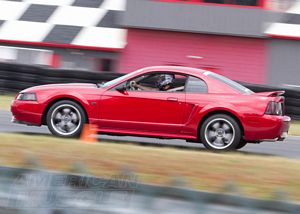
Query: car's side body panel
140, 111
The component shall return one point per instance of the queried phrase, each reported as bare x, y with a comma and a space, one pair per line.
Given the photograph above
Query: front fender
88, 102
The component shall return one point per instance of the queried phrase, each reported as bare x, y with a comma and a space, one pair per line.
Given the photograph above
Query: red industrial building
227, 37
238, 58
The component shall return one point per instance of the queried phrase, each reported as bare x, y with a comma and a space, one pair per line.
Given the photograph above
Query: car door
158, 112
197, 97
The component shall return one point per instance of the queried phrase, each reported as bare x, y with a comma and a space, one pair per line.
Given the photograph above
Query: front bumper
14, 120
26, 112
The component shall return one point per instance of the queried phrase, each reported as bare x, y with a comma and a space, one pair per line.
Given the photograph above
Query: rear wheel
66, 119
220, 132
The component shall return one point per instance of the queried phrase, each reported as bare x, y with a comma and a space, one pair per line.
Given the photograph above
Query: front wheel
66, 119
220, 132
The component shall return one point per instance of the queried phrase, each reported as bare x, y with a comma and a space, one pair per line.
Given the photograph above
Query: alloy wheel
65, 119
219, 133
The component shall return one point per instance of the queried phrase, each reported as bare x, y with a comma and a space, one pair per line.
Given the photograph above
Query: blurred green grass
258, 176
5, 101
295, 128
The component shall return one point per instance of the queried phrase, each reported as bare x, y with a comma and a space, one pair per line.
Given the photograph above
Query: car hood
61, 86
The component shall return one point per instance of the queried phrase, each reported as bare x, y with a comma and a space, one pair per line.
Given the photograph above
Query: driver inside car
164, 83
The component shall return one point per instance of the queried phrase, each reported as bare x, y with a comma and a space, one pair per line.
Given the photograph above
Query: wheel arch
207, 115
51, 103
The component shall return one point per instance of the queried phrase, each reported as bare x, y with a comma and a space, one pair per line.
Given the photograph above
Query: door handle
174, 99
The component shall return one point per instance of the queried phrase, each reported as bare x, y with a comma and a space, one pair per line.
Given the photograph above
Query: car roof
180, 69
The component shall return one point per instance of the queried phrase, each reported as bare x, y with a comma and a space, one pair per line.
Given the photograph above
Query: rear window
240, 88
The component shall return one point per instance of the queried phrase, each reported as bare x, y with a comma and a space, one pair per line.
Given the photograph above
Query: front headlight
27, 97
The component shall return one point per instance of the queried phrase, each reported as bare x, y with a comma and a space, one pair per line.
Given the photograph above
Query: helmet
164, 80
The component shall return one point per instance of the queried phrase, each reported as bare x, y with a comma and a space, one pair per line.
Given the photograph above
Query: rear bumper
267, 128
285, 125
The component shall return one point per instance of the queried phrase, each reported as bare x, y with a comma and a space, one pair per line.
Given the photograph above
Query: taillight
274, 108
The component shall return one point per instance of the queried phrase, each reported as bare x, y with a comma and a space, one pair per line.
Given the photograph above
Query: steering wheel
131, 85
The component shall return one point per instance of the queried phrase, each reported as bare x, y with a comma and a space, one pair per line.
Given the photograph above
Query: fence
14, 78
37, 192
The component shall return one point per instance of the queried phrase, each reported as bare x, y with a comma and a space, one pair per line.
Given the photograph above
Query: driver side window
160, 82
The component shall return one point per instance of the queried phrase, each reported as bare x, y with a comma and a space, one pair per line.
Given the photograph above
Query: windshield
242, 89
119, 79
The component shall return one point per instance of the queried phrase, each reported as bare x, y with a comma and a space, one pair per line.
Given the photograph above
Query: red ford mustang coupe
162, 102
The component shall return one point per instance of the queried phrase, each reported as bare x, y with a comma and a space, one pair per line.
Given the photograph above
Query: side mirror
121, 88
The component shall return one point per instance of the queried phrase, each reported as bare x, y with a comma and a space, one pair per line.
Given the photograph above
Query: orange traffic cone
89, 134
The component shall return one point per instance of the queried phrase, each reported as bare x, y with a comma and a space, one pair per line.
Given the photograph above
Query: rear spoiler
271, 93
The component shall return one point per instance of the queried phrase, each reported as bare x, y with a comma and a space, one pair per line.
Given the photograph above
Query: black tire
217, 129
60, 119
242, 144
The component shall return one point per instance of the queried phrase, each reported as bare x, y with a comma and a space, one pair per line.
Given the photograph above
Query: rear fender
197, 118
210, 109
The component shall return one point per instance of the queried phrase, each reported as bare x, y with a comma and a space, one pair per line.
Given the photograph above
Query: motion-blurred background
256, 42
253, 41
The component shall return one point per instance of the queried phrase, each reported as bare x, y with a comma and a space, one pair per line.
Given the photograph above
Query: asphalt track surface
289, 148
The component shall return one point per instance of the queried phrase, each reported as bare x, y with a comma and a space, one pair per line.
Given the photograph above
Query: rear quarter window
196, 85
